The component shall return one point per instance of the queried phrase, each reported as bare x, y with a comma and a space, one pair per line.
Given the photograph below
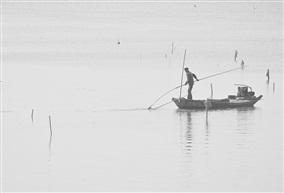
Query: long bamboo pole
181, 82
221, 73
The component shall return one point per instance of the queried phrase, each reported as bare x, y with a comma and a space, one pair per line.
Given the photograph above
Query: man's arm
194, 76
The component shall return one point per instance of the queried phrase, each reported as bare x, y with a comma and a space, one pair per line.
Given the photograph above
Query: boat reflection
189, 139
245, 117
190, 124
185, 128
195, 125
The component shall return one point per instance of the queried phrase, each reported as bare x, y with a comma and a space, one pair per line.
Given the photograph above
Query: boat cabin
244, 90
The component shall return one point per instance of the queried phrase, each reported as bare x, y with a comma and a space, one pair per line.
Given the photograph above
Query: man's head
186, 69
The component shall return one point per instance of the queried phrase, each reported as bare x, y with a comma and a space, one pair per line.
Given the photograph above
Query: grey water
96, 67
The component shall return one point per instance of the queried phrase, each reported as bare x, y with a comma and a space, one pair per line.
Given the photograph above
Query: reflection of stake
50, 138
207, 104
273, 86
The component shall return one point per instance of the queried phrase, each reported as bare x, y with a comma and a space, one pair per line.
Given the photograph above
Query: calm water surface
63, 61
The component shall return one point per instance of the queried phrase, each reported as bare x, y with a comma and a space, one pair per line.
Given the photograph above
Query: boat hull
183, 103
232, 103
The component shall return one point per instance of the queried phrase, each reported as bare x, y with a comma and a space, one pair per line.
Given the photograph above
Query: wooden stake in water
267, 74
50, 128
182, 73
32, 115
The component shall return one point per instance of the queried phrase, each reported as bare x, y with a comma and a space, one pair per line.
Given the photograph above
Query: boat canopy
241, 85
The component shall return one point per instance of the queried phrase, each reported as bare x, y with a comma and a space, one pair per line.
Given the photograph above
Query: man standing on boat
190, 82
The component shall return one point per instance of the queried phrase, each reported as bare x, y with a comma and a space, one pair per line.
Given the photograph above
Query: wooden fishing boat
184, 103
244, 98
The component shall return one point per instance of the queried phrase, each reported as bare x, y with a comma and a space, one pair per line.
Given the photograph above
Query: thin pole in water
32, 115
50, 128
182, 73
